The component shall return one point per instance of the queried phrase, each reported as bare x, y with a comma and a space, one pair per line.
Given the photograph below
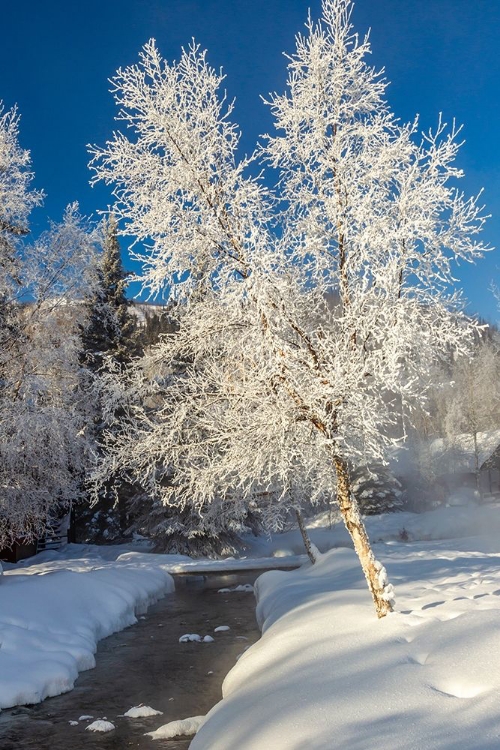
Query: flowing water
146, 664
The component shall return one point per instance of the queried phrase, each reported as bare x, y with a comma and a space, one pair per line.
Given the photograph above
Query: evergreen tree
109, 332
377, 490
108, 344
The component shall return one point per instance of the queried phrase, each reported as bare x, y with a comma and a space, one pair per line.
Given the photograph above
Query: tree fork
349, 509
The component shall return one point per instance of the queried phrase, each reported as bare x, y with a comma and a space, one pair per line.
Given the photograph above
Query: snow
190, 637
243, 587
56, 606
182, 564
139, 712
177, 728
221, 628
196, 638
100, 726
426, 676
53, 610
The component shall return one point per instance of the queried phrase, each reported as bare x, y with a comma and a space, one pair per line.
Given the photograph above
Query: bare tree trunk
477, 471
305, 537
352, 518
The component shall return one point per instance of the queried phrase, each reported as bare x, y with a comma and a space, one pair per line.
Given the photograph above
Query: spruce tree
108, 344
109, 333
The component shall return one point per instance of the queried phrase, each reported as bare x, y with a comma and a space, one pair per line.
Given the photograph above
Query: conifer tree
110, 328
107, 345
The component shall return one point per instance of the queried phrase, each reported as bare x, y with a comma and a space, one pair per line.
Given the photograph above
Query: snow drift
53, 613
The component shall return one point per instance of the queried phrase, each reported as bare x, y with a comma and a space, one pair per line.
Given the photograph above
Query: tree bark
305, 537
352, 518
477, 471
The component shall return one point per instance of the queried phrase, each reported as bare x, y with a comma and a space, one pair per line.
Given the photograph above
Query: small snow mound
187, 637
460, 689
73, 723
242, 587
221, 628
139, 712
315, 551
85, 717
179, 728
208, 639
100, 726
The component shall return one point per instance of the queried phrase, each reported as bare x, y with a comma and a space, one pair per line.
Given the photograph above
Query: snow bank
327, 673
181, 564
53, 613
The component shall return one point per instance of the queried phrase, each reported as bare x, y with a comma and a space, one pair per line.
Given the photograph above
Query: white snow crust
139, 712
426, 676
100, 726
243, 587
177, 728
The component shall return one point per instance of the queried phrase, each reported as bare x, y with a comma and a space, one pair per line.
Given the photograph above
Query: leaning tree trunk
305, 537
375, 575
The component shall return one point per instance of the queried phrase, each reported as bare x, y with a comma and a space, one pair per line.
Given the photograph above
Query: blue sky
55, 59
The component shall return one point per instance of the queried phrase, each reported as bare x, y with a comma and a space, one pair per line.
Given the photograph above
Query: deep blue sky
56, 57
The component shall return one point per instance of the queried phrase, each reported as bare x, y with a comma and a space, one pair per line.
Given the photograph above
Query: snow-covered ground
327, 673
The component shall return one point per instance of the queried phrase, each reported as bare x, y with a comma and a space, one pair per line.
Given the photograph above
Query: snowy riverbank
327, 674
53, 613
56, 606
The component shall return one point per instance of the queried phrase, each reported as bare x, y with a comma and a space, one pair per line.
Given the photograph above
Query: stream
146, 664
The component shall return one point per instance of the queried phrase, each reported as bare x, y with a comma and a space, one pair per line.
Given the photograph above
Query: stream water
146, 664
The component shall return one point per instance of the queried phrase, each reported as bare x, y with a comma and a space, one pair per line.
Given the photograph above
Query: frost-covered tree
44, 445
307, 345
17, 199
473, 400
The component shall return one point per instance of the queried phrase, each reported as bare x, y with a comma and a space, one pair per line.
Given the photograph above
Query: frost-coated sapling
307, 345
